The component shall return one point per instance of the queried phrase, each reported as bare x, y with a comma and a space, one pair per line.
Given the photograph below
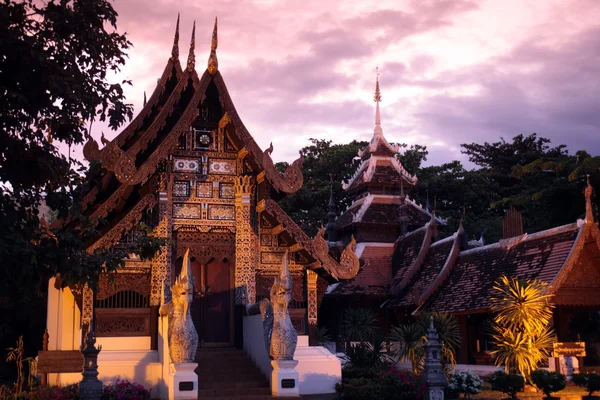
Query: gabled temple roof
128, 182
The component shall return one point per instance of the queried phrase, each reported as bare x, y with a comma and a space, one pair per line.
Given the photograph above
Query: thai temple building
187, 168
405, 270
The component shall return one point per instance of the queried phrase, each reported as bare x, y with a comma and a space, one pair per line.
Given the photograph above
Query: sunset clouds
452, 71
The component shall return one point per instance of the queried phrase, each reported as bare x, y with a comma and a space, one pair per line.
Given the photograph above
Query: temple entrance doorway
213, 306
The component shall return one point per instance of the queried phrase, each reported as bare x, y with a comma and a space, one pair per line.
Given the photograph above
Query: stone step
239, 392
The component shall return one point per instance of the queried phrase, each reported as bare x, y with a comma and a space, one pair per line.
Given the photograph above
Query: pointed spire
331, 230
175, 51
191, 62
377, 99
589, 212
213, 63
145, 101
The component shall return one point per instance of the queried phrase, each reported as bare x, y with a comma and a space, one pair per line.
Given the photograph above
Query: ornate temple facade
188, 169
406, 269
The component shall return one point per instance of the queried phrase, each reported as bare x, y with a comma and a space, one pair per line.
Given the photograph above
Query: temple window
202, 139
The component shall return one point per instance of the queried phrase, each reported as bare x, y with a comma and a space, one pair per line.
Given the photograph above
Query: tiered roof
129, 182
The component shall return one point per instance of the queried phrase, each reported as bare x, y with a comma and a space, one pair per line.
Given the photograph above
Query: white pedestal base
183, 381
284, 378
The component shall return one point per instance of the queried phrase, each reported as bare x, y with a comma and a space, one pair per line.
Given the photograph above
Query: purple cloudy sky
452, 71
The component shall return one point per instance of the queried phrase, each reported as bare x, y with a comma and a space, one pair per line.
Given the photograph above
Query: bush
465, 383
510, 384
70, 392
548, 382
390, 384
125, 390
590, 381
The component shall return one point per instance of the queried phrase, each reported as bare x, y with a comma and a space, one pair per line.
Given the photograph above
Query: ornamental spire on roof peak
213, 63
589, 212
175, 51
377, 99
191, 62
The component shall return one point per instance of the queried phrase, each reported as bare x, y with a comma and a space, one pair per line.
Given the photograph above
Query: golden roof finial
589, 211
213, 63
175, 51
191, 63
377, 97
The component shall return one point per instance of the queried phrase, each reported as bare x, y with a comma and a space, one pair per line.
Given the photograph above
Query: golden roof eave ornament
213, 62
191, 62
349, 264
291, 180
175, 50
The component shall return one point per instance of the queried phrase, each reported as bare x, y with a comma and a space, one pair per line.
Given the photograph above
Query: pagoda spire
377, 99
589, 213
213, 63
191, 62
331, 231
175, 51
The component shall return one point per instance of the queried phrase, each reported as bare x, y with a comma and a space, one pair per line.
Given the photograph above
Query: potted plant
510, 384
589, 381
548, 382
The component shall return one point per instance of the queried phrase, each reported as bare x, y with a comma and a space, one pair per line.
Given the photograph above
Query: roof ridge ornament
589, 210
377, 99
175, 51
213, 63
191, 62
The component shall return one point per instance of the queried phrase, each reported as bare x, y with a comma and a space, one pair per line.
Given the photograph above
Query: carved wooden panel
298, 317
108, 285
246, 242
121, 322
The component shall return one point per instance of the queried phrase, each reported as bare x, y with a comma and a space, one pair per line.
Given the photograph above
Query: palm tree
358, 324
520, 329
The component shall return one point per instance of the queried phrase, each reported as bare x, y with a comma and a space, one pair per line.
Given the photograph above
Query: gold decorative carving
311, 284
246, 242
161, 263
205, 246
213, 63
126, 223
109, 285
87, 306
292, 178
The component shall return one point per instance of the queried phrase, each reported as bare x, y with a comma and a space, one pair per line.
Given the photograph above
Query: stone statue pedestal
183, 381
284, 379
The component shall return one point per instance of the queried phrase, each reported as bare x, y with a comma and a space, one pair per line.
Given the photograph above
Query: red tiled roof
375, 277
432, 265
469, 286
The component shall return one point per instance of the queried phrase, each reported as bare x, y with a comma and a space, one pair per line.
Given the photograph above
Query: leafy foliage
548, 382
390, 384
465, 383
56, 59
412, 337
511, 384
590, 381
358, 324
365, 359
520, 330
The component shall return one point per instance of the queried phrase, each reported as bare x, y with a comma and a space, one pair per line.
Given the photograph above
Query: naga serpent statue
183, 338
280, 335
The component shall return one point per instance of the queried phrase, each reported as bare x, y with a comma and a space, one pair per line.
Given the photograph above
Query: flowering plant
465, 382
389, 384
125, 390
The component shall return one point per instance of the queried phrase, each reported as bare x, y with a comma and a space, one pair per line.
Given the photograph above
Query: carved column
161, 263
312, 306
246, 244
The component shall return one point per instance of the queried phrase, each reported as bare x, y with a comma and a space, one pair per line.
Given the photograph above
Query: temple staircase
228, 373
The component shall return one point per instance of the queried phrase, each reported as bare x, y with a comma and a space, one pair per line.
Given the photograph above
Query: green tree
56, 56
322, 161
413, 156
520, 329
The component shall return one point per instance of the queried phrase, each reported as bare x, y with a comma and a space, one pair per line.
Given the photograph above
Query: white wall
318, 369
124, 343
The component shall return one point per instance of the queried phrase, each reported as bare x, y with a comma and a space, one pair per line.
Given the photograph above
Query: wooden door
217, 307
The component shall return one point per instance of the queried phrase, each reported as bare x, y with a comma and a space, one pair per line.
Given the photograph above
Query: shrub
69, 392
390, 384
125, 390
590, 381
465, 383
548, 382
510, 384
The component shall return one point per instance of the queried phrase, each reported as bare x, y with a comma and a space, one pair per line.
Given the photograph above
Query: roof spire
331, 231
377, 99
213, 63
145, 101
191, 62
175, 51
589, 213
